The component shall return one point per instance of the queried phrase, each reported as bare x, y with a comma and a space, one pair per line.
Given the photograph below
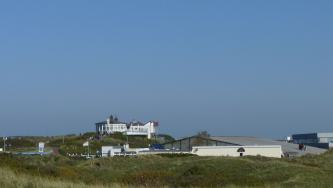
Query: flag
86, 144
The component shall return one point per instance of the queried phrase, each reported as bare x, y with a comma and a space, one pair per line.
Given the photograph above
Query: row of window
122, 128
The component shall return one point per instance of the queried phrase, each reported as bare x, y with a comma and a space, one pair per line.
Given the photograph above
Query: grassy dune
167, 171
9, 179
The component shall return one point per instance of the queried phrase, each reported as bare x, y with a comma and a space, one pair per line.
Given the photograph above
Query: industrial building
320, 140
288, 149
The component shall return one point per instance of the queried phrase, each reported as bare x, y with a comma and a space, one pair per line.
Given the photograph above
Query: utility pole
88, 151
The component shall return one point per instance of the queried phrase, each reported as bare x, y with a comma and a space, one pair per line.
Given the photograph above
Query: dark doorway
241, 151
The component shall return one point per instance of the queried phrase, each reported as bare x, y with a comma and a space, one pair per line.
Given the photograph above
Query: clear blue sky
261, 68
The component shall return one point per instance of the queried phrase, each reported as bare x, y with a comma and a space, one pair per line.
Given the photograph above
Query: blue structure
157, 146
320, 140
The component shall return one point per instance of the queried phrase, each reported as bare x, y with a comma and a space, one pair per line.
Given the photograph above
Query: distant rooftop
114, 120
319, 134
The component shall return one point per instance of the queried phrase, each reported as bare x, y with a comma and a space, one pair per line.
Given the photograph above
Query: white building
110, 151
274, 151
113, 125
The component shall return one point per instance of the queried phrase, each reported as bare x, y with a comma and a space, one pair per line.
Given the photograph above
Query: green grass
9, 179
155, 171
177, 171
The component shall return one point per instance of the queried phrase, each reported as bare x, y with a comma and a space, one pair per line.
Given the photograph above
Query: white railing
137, 132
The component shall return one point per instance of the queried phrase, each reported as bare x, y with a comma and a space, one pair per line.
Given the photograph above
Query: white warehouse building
113, 125
274, 151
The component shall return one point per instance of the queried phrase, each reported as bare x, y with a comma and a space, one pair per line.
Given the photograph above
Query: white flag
86, 144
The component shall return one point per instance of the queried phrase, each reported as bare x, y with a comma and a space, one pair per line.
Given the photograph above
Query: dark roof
102, 122
305, 136
105, 122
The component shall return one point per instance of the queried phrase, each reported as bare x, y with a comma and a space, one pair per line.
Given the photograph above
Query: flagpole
4, 144
88, 150
86, 144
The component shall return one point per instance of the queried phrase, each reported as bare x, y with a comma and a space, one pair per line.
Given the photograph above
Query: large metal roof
287, 148
327, 135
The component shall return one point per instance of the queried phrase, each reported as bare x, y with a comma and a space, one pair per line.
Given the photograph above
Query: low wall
237, 151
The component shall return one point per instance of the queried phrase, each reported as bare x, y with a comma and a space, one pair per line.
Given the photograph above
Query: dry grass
163, 171
9, 179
